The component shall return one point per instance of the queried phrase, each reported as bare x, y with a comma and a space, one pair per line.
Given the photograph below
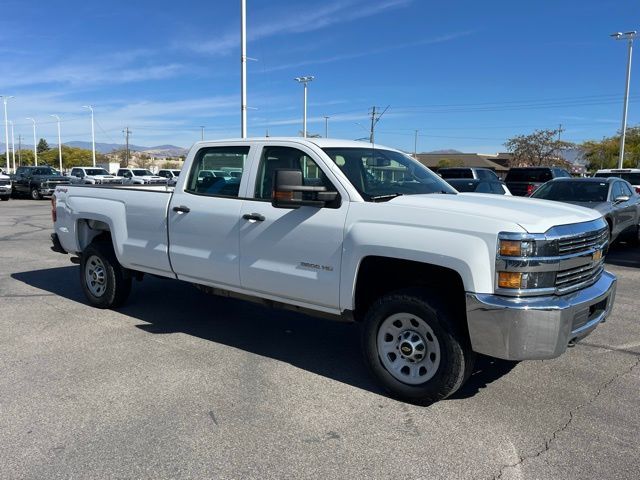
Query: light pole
13, 147
304, 81
59, 143
415, 145
243, 68
201, 132
629, 36
5, 99
93, 134
326, 126
35, 146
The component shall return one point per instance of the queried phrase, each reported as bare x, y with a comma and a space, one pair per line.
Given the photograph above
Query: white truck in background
357, 232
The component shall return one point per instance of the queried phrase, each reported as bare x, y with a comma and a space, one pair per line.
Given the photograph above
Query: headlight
517, 248
526, 280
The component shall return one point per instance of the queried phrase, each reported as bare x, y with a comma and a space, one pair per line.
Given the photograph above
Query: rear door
626, 211
204, 218
292, 253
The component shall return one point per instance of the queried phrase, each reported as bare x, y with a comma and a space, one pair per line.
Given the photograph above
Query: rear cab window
534, 175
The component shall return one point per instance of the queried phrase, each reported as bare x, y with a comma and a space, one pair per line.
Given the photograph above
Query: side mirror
621, 199
289, 192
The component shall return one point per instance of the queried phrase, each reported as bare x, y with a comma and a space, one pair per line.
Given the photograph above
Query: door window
274, 158
211, 172
616, 191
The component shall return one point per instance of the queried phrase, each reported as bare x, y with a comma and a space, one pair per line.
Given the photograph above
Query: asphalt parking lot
178, 384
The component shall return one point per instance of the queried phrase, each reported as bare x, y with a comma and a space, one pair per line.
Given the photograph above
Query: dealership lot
179, 384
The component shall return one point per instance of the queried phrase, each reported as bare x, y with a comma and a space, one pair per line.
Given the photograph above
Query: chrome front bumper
529, 328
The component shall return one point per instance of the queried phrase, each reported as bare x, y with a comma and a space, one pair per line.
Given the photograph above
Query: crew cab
356, 232
93, 176
171, 174
140, 176
631, 175
37, 182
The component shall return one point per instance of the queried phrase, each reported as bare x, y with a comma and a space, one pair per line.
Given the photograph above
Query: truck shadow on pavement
323, 347
623, 255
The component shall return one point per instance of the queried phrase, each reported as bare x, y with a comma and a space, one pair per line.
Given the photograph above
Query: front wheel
35, 194
4, 199
412, 347
104, 281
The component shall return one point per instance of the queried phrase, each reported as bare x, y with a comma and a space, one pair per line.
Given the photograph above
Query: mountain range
157, 151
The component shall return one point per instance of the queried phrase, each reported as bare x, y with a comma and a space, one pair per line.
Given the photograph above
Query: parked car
170, 174
5, 187
94, 176
614, 198
140, 176
37, 182
342, 230
631, 175
523, 181
479, 186
468, 172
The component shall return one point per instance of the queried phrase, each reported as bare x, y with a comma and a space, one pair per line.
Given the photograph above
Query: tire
35, 194
104, 281
396, 325
634, 240
5, 199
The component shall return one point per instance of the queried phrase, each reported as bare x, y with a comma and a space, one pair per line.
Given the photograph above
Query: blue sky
466, 74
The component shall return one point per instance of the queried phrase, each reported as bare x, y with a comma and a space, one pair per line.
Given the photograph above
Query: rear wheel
104, 281
413, 348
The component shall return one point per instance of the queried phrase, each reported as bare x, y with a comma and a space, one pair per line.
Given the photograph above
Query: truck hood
101, 177
534, 215
44, 178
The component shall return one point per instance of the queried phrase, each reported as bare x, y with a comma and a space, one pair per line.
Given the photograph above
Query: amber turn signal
510, 248
509, 280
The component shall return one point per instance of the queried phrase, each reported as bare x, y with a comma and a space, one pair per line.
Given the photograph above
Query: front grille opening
597, 308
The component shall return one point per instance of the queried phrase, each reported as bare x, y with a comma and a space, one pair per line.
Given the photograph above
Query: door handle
181, 209
253, 216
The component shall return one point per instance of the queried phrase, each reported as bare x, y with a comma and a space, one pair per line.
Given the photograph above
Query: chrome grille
583, 242
578, 277
5, 182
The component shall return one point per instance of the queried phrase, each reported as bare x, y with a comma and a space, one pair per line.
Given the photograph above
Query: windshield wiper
384, 198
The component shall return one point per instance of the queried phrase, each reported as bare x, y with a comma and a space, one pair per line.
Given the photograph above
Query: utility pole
201, 132
35, 142
559, 131
126, 132
304, 81
629, 36
326, 126
13, 147
415, 145
243, 68
59, 142
374, 120
93, 135
5, 99
19, 150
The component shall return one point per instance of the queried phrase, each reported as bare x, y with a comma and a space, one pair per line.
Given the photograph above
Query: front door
292, 253
205, 216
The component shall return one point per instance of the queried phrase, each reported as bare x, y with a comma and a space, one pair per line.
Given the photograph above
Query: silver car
615, 198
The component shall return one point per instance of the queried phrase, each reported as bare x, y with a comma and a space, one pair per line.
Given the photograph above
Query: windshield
631, 177
141, 172
464, 185
384, 174
46, 171
575, 191
528, 175
96, 171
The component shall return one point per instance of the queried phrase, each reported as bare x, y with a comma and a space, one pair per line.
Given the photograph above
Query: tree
43, 146
606, 152
450, 162
540, 148
143, 160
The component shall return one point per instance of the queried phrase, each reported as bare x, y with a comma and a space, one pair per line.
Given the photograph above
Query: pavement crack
554, 435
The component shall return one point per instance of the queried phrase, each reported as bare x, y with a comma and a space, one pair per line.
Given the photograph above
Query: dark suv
37, 182
523, 181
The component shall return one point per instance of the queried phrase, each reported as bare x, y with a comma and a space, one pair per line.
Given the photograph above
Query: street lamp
5, 99
59, 143
326, 126
304, 81
13, 147
35, 145
93, 134
629, 36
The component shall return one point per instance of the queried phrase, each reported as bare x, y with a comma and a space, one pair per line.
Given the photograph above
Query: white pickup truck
356, 232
